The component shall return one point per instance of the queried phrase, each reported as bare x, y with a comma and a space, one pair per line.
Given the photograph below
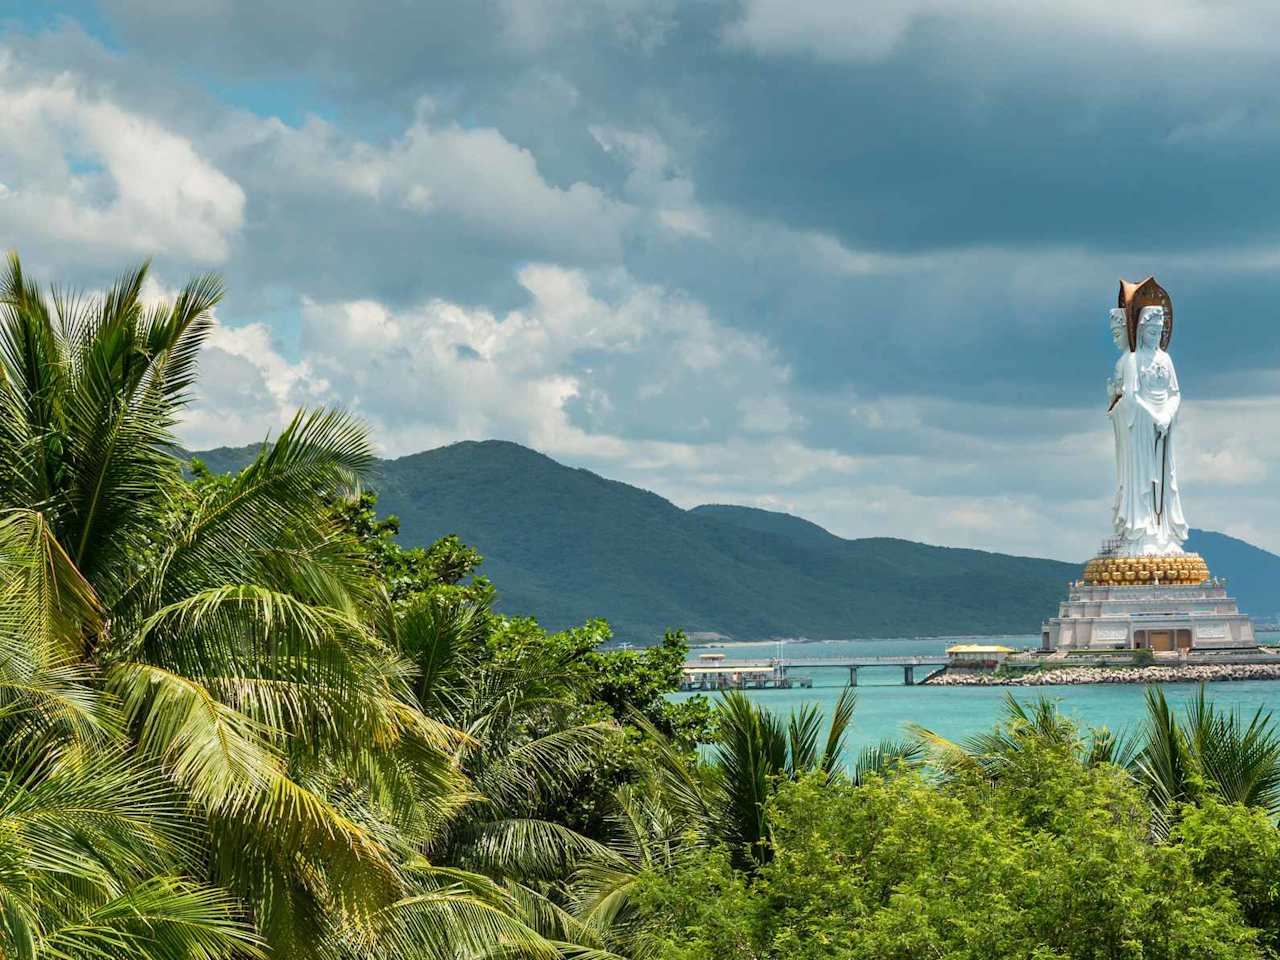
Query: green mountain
565, 544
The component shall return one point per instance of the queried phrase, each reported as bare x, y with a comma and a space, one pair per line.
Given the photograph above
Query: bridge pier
853, 676
909, 675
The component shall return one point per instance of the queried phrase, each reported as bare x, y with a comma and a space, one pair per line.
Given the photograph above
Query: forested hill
565, 544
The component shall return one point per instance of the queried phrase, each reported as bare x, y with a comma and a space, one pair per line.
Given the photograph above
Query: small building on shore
711, 671
977, 656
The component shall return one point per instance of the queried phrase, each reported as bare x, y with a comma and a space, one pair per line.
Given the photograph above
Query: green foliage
523, 684
754, 750
903, 867
407, 572
1029, 841
1236, 848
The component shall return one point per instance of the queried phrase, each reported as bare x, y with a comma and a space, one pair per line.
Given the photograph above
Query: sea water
885, 705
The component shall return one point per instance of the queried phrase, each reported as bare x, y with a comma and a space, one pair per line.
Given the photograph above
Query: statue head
1119, 329
1135, 298
1150, 327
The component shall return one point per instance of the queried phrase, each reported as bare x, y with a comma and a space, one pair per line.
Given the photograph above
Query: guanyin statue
1143, 591
1145, 397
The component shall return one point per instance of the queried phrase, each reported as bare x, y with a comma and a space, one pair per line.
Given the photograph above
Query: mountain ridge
564, 544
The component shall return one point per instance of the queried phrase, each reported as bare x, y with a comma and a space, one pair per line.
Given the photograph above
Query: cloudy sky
846, 258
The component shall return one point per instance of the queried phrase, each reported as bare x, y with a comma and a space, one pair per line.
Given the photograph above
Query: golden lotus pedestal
1185, 568
1170, 605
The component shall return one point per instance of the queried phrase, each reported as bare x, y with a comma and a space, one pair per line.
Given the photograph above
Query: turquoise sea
885, 704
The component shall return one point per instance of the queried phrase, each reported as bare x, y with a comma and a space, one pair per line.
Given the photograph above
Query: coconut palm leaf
886, 757
541, 768
751, 749
160, 919
1238, 759
523, 848
1107, 746
1165, 764
685, 796
446, 920
995, 751
841, 718
215, 706
803, 729
83, 850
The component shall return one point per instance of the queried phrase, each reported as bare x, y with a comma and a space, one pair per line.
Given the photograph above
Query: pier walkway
713, 671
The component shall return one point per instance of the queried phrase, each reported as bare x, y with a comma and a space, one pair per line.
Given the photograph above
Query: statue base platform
1160, 616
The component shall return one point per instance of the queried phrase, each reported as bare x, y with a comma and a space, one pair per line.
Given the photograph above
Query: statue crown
1134, 296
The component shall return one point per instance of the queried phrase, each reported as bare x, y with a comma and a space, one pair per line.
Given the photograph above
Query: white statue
1144, 415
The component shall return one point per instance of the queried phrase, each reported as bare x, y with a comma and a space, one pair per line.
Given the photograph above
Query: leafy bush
1054, 860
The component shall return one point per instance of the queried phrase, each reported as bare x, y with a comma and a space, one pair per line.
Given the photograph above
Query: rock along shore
1192, 673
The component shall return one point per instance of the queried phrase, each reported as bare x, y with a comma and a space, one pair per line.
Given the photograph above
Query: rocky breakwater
1180, 673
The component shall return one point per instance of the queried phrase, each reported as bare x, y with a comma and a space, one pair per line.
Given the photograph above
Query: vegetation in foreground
237, 720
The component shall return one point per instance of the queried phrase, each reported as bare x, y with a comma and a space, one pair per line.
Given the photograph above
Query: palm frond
886, 757
841, 718
160, 919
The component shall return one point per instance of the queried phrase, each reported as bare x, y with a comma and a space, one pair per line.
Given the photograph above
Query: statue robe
1148, 508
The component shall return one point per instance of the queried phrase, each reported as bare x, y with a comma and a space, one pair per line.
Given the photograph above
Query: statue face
1119, 329
1150, 326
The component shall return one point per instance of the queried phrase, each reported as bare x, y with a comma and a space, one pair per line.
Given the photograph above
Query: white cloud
578, 367
533, 25
247, 389
405, 241
871, 30
1222, 442
85, 176
474, 176
575, 371
656, 179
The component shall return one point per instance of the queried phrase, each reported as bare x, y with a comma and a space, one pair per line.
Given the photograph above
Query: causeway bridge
908, 664
711, 671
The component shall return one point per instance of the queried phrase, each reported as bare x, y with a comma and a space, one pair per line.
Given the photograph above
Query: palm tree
522, 753
1175, 759
754, 750
687, 804
1209, 750
225, 637
1041, 724
95, 850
